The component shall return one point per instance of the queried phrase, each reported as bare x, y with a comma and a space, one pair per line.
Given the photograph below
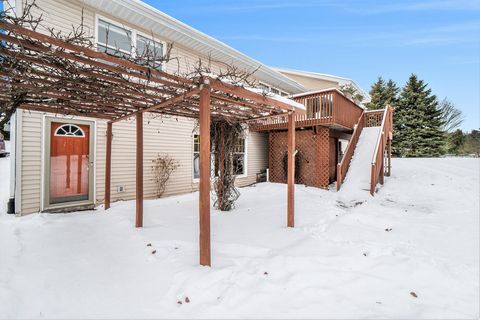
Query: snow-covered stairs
359, 173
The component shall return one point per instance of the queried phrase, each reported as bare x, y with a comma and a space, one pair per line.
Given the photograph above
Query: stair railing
378, 163
343, 166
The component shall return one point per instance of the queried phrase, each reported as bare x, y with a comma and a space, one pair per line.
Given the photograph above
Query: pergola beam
141, 71
166, 103
250, 95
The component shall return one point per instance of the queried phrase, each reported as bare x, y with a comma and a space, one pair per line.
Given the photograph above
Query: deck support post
382, 165
204, 194
389, 157
108, 165
139, 172
291, 171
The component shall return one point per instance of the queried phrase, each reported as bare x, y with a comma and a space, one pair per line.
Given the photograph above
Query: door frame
46, 206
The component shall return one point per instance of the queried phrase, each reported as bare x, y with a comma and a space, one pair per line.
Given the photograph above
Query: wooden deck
328, 108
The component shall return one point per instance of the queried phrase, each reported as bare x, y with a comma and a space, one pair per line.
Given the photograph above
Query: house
43, 181
314, 81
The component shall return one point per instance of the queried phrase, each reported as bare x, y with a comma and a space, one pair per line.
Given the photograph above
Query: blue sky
437, 39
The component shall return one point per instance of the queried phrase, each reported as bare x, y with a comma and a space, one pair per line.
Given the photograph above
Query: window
196, 156
122, 42
146, 47
275, 91
114, 39
239, 157
69, 130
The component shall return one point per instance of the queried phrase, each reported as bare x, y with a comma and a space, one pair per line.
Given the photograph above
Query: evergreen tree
455, 142
391, 93
377, 94
417, 122
472, 143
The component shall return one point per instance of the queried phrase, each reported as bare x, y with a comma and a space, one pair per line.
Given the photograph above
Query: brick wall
312, 161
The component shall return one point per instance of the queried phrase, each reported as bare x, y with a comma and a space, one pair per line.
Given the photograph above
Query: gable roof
138, 13
327, 77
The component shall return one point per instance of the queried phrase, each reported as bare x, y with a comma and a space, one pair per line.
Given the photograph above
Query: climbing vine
225, 138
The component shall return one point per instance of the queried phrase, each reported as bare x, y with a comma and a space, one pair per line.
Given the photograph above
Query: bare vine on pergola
63, 74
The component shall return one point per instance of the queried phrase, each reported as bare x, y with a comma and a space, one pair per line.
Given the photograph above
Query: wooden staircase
376, 118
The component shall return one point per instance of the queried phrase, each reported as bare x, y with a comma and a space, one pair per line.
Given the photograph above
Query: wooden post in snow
108, 165
291, 171
204, 194
389, 157
139, 172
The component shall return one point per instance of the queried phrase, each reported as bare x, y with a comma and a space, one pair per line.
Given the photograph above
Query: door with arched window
69, 164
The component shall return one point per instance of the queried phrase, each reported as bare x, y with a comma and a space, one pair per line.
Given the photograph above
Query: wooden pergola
48, 73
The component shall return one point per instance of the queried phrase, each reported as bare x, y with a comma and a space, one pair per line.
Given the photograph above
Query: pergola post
291, 171
108, 165
139, 172
221, 168
204, 197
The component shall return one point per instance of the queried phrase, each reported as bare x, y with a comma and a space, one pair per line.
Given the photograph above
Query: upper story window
120, 41
267, 88
114, 39
152, 49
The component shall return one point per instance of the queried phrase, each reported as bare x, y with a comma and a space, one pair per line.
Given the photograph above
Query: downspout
13, 153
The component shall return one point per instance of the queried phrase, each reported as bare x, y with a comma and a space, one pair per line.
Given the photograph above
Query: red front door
69, 162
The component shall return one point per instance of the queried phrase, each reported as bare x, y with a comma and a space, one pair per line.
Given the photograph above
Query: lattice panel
323, 157
312, 161
373, 118
278, 148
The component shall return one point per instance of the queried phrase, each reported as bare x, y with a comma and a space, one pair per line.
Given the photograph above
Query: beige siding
162, 135
311, 83
172, 136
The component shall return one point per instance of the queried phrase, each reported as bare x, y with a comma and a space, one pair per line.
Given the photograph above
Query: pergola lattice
48, 74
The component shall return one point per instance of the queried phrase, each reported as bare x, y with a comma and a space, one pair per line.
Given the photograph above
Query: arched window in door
70, 130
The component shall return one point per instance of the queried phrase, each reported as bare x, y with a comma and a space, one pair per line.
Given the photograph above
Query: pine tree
391, 93
455, 141
377, 94
417, 122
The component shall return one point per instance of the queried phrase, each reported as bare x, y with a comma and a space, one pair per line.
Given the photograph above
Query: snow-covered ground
357, 257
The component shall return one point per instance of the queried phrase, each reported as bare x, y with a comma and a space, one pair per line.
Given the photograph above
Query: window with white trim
70, 130
239, 157
113, 39
152, 49
123, 42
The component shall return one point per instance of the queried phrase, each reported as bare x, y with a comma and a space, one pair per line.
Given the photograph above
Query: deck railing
384, 137
343, 166
374, 118
329, 107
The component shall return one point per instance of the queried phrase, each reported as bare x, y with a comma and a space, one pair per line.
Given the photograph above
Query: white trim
69, 135
13, 128
245, 165
18, 161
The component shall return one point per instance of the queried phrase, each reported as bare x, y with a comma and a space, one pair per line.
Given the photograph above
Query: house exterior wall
311, 162
312, 84
162, 135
